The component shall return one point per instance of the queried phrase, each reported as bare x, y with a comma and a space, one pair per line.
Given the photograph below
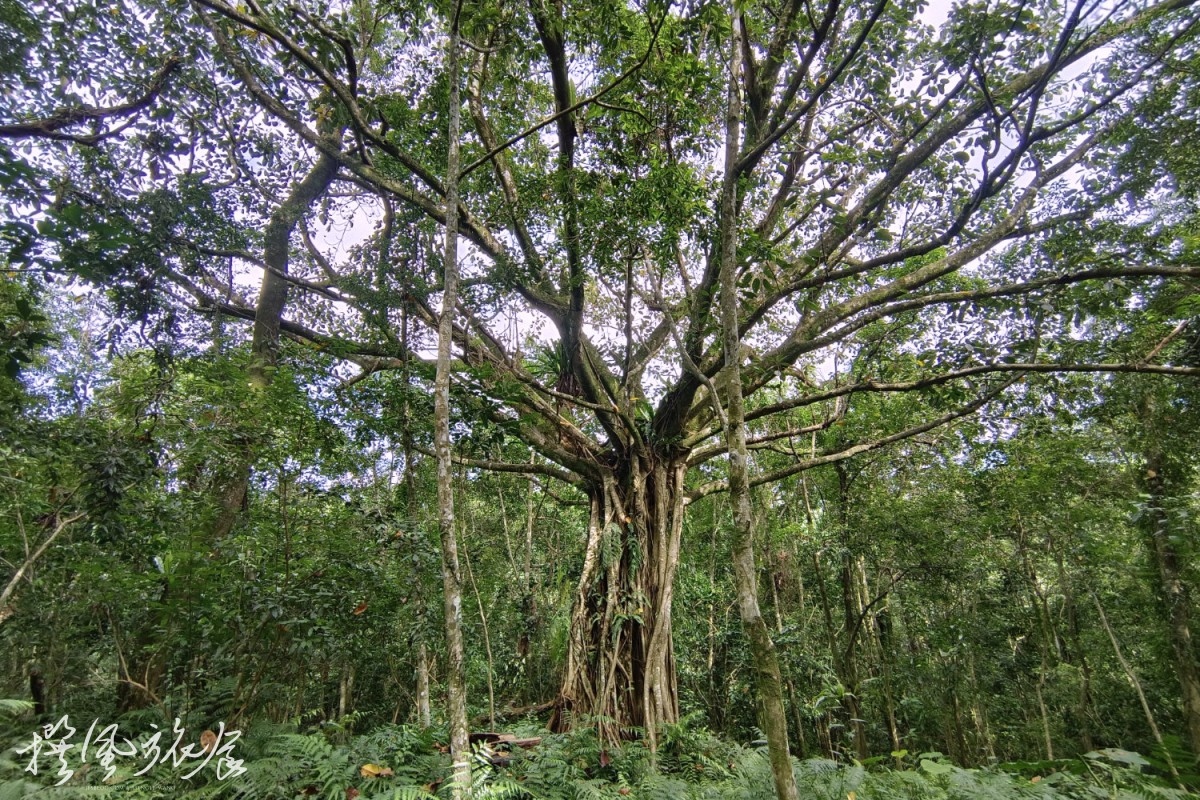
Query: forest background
763, 399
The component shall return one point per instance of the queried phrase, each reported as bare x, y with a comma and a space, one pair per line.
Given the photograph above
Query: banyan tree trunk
620, 671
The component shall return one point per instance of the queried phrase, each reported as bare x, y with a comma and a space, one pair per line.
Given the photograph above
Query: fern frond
10, 707
503, 789
72, 792
411, 793
17, 789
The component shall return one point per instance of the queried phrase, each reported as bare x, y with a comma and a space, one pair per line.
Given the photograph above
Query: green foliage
12, 707
933, 594
23, 327
559, 769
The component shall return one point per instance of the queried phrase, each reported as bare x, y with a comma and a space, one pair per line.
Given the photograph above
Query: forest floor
401, 762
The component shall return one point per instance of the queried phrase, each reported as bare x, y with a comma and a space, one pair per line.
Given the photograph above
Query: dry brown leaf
375, 771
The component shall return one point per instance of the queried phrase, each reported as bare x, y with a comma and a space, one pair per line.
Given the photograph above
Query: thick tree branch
567, 109
967, 372
841, 455
702, 455
6, 609
341, 91
52, 127
1006, 290
527, 468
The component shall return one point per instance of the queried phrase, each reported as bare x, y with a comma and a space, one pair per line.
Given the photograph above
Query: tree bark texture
1160, 531
620, 669
768, 680
268, 315
460, 748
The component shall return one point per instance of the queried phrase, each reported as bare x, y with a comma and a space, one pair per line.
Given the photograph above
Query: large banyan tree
917, 197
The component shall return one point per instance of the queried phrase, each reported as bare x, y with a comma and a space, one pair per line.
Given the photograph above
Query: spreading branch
53, 127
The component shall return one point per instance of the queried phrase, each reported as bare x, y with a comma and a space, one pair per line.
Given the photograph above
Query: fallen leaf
375, 771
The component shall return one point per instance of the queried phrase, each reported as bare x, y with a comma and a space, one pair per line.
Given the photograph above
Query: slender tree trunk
798, 715
824, 734
530, 523
460, 748
10, 587
487, 635
346, 691
766, 660
886, 657
959, 744
1050, 649
717, 706
846, 664
788, 684
532, 622
410, 490
779, 581
1038, 688
979, 708
423, 711
826, 613
1079, 654
1132, 677
139, 668
849, 660
37, 692
1173, 590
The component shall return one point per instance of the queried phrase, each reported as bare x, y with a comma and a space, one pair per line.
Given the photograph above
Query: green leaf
1120, 756
935, 767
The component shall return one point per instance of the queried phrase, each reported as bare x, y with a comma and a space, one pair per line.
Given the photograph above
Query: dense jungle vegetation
620, 398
